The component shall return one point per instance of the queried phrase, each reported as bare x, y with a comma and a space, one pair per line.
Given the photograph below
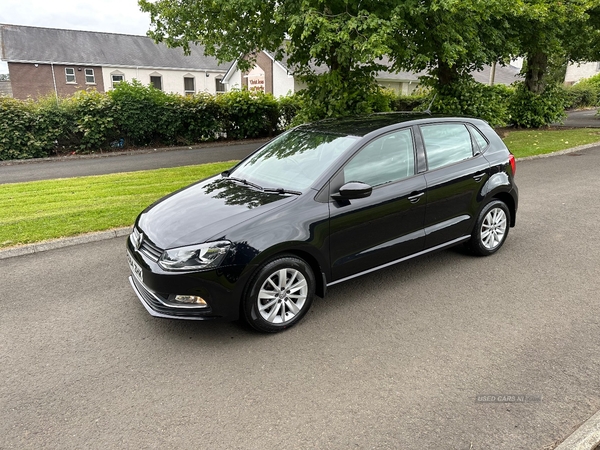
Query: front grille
150, 250
146, 247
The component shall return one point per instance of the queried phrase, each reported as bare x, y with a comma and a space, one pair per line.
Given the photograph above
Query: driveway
394, 360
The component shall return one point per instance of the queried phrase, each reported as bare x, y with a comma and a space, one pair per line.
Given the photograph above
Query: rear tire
279, 295
491, 229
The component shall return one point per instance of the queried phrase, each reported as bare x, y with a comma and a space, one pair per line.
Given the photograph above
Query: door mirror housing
353, 190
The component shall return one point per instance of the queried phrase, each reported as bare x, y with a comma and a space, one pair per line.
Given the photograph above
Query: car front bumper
221, 288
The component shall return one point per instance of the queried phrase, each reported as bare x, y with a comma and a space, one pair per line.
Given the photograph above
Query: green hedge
135, 115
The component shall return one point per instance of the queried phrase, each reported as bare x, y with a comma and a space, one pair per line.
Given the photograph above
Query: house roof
503, 75
46, 45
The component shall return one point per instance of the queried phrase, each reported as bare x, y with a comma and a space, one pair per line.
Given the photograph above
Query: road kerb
562, 152
586, 437
64, 242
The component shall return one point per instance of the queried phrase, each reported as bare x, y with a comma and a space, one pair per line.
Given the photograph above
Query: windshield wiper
282, 191
225, 174
240, 180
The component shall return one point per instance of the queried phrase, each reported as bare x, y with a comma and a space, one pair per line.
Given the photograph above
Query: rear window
446, 143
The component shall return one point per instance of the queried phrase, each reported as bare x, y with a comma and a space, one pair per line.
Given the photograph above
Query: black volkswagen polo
318, 205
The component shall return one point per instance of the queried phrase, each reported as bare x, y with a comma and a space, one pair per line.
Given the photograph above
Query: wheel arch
509, 201
311, 260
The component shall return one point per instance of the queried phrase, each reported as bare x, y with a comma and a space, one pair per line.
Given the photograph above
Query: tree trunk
537, 66
446, 75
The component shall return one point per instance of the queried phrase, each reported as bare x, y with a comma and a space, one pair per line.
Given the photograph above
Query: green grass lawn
42, 210
537, 142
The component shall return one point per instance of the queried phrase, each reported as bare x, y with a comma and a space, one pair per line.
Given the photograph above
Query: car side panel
385, 226
453, 199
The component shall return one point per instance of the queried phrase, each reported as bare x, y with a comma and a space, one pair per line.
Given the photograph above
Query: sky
113, 16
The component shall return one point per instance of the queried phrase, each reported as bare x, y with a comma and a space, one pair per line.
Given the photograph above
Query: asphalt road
393, 360
585, 118
15, 172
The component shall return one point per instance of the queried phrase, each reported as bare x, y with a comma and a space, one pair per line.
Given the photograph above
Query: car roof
363, 125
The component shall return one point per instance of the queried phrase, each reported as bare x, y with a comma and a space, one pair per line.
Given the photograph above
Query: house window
116, 78
220, 87
189, 87
156, 81
89, 76
70, 74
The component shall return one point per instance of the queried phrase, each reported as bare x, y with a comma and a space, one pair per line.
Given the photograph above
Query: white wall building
579, 71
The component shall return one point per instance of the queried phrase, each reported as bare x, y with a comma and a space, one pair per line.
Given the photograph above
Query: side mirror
353, 190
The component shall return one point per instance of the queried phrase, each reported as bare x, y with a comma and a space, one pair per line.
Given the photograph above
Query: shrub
580, 96
137, 111
412, 102
247, 114
18, 139
470, 98
289, 107
333, 94
53, 124
92, 114
531, 110
199, 118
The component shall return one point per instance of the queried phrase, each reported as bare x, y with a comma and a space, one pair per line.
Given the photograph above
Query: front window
188, 86
89, 76
386, 159
156, 81
294, 160
70, 74
219, 86
116, 78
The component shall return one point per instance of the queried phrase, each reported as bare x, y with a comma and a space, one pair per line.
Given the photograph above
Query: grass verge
41, 210
524, 143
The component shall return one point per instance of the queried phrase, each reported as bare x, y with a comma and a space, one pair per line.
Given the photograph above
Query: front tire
279, 295
491, 229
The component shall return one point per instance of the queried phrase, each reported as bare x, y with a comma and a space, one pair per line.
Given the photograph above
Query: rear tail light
513, 164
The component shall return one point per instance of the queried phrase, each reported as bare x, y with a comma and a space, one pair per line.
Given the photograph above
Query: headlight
194, 257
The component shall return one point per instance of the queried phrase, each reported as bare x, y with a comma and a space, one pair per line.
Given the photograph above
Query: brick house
50, 61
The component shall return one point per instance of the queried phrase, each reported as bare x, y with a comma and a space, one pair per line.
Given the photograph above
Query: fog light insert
191, 300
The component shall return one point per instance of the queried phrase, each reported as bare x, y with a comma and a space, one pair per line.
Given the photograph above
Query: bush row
584, 94
137, 115
499, 105
134, 115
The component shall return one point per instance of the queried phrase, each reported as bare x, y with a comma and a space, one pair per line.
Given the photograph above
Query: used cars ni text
318, 205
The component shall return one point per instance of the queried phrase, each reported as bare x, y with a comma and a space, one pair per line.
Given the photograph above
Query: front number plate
136, 270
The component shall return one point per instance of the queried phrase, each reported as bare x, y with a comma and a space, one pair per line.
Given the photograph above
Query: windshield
294, 160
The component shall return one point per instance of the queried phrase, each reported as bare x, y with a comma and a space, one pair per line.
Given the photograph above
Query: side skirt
429, 250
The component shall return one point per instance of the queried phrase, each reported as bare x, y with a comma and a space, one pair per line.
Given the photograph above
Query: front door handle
416, 197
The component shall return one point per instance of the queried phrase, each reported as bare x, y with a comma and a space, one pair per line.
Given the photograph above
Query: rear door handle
416, 197
478, 176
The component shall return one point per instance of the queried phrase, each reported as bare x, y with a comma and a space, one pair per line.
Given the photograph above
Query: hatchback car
318, 205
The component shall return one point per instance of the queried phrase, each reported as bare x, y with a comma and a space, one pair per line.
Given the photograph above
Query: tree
451, 38
334, 46
550, 30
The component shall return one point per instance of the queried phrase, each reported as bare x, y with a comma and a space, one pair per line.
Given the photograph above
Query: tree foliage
337, 46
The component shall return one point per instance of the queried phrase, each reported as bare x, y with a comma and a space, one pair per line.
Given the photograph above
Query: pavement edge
64, 242
586, 437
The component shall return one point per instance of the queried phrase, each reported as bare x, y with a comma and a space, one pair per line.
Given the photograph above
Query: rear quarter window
446, 143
